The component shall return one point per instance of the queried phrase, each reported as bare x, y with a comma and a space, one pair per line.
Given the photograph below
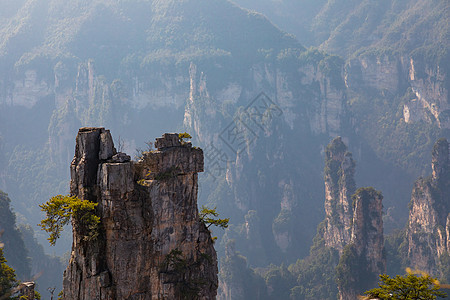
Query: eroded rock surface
152, 244
363, 258
427, 232
339, 187
353, 224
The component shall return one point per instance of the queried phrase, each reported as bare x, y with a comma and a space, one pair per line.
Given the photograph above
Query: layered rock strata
428, 229
151, 244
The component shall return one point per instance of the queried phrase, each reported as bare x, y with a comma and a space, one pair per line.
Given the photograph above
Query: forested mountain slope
119, 63
346, 27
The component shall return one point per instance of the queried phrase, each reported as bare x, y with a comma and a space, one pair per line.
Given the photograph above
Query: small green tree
408, 287
209, 217
183, 137
7, 278
61, 209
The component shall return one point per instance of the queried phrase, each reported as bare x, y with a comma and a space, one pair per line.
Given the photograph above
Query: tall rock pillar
428, 229
363, 258
367, 229
151, 243
339, 187
353, 224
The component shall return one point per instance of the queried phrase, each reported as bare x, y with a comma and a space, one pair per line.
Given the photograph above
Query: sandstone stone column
363, 259
427, 231
339, 187
151, 244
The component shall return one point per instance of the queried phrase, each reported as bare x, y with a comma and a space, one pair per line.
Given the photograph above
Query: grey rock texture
353, 222
152, 244
339, 187
367, 259
427, 232
367, 229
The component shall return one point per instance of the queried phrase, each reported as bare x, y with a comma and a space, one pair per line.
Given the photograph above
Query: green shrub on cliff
7, 278
183, 137
209, 217
61, 209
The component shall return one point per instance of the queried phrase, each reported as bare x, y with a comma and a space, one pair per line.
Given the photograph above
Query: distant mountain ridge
348, 27
43, 32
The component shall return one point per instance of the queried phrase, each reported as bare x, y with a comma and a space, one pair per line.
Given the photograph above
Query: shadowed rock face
366, 258
152, 244
428, 230
367, 228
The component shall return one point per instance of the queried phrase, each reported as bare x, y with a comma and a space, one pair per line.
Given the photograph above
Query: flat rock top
90, 129
168, 140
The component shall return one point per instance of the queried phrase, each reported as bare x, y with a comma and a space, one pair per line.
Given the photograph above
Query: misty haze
218, 149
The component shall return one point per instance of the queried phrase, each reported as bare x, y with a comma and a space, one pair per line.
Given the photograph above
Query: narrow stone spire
339, 186
427, 232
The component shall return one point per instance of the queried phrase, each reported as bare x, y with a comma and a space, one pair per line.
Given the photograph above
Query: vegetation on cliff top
138, 35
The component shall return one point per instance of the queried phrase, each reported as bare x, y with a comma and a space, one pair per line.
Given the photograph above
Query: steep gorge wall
152, 244
301, 106
393, 74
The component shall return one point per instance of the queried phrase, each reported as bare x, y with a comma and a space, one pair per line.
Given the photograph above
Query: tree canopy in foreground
7, 278
408, 287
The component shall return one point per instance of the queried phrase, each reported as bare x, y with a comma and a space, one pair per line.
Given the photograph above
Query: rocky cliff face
430, 87
394, 74
339, 187
427, 232
152, 244
256, 133
374, 72
363, 258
